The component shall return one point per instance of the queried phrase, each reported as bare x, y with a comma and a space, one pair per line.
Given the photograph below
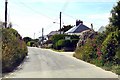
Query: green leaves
107, 44
115, 19
14, 49
59, 41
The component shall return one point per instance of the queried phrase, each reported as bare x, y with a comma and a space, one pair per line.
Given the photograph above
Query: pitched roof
101, 29
54, 32
78, 29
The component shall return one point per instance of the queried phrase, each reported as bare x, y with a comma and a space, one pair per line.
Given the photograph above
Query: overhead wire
33, 10
62, 10
65, 5
37, 12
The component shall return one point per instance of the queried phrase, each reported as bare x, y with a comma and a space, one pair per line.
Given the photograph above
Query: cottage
78, 29
54, 33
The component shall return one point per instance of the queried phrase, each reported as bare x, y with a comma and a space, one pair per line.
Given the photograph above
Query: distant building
53, 33
44, 38
78, 29
101, 29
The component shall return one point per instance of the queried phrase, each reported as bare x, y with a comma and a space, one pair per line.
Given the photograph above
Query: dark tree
66, 28
27, 39
115, 19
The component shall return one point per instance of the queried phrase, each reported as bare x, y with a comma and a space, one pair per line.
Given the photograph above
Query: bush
14, 49
66, 45
27, 39
28, 43
32, 44
87, 52
100, 38
74, 42
109, 47
106, 52
59, 40
63, 43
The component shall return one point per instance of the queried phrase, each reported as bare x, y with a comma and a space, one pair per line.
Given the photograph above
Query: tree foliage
105, 45
115, 19
59, 40
14, 49
66, 28
27, 39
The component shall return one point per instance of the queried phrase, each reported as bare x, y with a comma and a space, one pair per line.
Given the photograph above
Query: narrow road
43, 63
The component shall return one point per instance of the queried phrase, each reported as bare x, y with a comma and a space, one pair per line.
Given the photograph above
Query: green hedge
66, 44
59, 41
32, 44
110, 47
87, 52
14, 49
63, 43
102, 51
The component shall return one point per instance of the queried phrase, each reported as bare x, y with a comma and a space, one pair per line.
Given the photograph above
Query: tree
66, 28
27, 39
115, 19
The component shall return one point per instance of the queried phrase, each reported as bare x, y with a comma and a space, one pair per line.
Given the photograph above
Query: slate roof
101, 29
78, 29
54, 32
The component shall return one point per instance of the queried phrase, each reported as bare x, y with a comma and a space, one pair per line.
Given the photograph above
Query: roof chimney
78, 22
91, 26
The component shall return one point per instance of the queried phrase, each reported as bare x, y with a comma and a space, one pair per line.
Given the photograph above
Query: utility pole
60, 21
42, 34
6, 2
34, 36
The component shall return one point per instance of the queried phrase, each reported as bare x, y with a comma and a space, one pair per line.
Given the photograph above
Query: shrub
27, 39
28, 43
74, 42
66, 44
63, 43
88, 51
100, 38
32, 44
14, 49
58, 44
109, 47
117, 56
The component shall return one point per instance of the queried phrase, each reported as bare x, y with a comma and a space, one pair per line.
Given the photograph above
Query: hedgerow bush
14, 49
64, 44
59, 41
106, 45
32, 43
103, 50
110, 47
88, 51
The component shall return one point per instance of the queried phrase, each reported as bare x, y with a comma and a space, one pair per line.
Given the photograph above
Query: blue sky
30, 16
